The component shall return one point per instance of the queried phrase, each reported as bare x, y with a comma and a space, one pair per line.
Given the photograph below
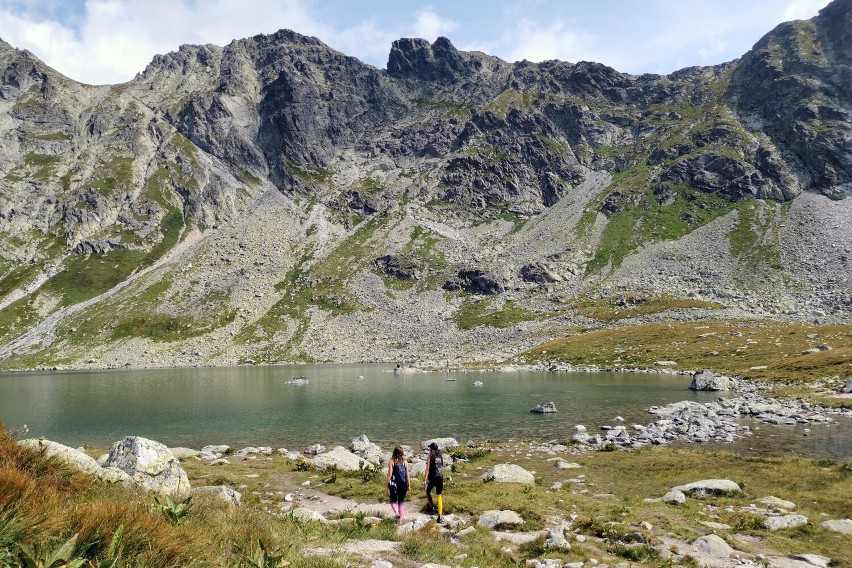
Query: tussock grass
42, 501
725, 347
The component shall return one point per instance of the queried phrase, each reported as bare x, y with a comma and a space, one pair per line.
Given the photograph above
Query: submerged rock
545, 408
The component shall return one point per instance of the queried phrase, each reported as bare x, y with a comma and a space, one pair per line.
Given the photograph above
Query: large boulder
843, 526
73, 457
184, 453
417, 468
508, 473
777, 503
78, 460
150, 465
342, 459
363, 447
474, 281
492, 519
785, 522
709, 487
709, 381
399, 267
713, 545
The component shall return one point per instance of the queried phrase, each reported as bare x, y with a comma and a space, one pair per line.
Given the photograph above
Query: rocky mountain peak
439, 61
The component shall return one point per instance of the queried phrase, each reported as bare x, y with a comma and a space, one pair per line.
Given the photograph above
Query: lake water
244, 406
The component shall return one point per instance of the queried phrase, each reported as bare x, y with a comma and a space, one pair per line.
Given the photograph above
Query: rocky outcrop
442, 443
450, 169
474, 281
793, 85
401, 268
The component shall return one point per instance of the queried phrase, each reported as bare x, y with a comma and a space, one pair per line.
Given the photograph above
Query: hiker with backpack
398, 482
435, 479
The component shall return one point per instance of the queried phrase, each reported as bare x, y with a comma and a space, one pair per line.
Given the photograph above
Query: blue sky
109, 41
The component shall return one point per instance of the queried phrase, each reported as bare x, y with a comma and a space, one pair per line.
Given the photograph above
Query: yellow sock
440, 505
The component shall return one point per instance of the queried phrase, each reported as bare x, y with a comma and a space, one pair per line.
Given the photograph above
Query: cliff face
274, 199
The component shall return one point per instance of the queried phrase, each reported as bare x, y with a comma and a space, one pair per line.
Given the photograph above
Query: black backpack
437, 466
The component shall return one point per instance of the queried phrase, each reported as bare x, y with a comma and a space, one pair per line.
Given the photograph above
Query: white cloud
555, 41
802, 9
429, 25
117, 38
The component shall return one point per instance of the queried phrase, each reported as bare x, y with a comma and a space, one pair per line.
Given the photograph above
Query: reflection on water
254, 406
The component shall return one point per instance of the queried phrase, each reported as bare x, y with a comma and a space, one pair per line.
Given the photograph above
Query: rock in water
709, 381
546, 408
150, 465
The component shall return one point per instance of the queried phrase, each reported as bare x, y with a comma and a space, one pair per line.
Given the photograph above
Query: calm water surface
243, 406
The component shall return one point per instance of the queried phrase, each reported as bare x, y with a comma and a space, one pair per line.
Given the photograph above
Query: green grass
451, 109
509, 99
39, 167
311, 175
185, 146
370, 185
476, 313
112, 175
52, 136
724, 347
554, 146
516, 221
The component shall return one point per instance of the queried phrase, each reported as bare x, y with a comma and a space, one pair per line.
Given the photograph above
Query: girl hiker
398, 482
435, 479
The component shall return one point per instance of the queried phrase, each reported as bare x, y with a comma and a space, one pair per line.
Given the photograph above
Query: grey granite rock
151, 465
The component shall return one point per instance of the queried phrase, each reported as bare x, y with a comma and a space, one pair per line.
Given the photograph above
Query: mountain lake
255, 405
